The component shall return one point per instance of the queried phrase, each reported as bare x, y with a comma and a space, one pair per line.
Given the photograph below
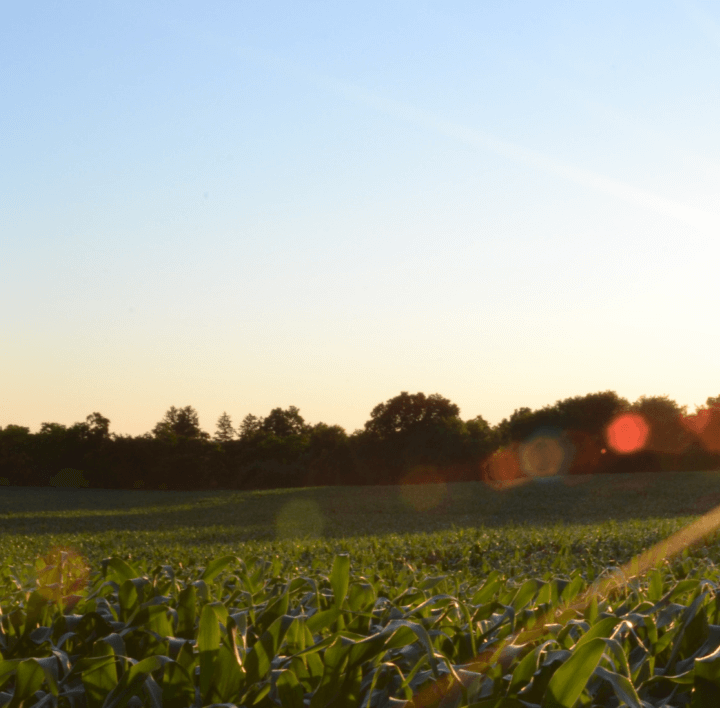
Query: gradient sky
245, 205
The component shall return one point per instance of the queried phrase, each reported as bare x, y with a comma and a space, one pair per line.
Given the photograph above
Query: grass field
442, 596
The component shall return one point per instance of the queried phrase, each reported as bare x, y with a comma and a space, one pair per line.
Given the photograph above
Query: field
447, 595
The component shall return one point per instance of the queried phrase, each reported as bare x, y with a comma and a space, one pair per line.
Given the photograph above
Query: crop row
254, 633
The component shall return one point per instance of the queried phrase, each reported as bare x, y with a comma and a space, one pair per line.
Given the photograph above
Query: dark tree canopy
53, 429
587, 414
96, 427
408, 411
590, 413
664, 418
283, 423
407, 436
180, 423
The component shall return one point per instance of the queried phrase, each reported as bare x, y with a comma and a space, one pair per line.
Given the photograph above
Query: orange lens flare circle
628, 433
542, 456
62, 576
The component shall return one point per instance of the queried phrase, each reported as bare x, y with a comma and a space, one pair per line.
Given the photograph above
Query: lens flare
543, 455
704, 424
628, 433
62, 577
697, 422
504, 465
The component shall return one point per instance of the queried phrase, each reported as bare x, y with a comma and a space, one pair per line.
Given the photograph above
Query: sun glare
628, 433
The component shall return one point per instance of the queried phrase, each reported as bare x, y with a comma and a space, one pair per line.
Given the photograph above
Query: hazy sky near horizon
239, 206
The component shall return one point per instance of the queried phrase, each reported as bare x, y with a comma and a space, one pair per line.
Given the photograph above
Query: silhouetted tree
590, 413
406, 411
710, 433
408, 431
664, 417
224, 429
703, 427
328, 455
518, 426
17, 456
179, 424
482, 439
249, 426
98, 426
283, 423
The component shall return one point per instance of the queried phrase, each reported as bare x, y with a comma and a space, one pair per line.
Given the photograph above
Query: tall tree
249, 426
98, 426
224, 431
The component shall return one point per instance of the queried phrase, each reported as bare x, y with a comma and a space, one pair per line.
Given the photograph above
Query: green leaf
361, 596
290, 690
178, 690
603, 628
322, 620
424, 638
29, 676
340, 577
258, 659
271, 613
524, 594
525, 669
208, 643
622, 686
335, 676
570, 679
7, 670
100, 677
655, 585
492, 584
215, 567
572, 589
128, 599
685, 622
153, 618
228, 676
131, 683
187, 612
706, 682
121, 570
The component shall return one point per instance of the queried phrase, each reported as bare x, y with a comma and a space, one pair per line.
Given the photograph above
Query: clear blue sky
239, 206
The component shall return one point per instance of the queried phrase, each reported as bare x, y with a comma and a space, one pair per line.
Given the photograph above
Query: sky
247, 205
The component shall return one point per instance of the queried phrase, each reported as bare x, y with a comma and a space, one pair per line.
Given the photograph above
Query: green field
599, 519
377, 596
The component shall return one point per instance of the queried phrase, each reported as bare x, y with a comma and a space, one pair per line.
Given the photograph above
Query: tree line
410, 438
